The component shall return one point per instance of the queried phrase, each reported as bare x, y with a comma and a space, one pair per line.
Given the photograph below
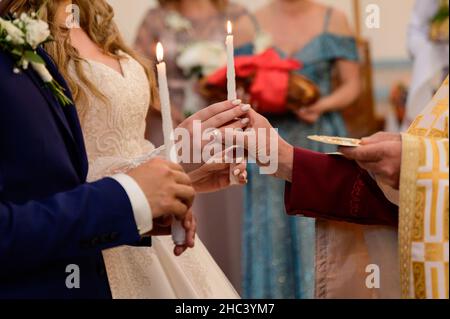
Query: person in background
388, 180
320, 38
429, 51
178, 24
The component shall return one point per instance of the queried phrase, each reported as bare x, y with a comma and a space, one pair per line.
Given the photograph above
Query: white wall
388, 42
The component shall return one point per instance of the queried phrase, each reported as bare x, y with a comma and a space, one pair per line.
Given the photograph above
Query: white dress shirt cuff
141, 208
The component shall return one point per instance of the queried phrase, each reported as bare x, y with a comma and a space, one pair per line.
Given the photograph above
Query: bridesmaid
177, 23
320, 38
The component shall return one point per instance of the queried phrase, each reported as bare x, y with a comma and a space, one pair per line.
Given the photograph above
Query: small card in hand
335, 140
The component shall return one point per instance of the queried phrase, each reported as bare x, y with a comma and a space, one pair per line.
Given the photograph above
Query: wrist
285, 161
323, 105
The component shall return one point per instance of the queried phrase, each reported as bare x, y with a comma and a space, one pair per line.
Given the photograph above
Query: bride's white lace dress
114, 136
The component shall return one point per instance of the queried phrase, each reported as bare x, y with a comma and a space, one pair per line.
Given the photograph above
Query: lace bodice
114, 129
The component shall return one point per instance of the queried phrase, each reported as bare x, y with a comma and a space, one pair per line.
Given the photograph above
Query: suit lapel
52, 102
66, 115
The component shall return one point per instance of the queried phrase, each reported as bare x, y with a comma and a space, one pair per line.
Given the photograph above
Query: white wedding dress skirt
114, 133
157, 273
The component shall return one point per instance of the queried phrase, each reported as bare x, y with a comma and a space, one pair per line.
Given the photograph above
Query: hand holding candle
178, 232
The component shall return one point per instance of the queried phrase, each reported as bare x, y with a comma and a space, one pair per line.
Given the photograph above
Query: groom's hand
163, 226
167, 187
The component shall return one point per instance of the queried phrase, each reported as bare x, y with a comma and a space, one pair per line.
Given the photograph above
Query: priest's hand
381, 155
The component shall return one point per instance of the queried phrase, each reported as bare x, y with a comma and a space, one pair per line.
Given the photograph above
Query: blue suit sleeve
71, 224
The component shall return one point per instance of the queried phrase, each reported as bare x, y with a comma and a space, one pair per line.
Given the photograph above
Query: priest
391, 179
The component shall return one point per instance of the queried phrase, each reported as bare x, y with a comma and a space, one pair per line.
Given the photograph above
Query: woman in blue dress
279, 252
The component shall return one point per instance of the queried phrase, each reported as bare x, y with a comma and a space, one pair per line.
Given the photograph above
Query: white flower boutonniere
21, 37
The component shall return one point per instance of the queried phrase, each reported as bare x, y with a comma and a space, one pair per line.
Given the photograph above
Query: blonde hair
96, 19
220, 4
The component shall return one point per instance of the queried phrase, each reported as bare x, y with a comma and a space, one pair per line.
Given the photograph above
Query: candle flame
159, 52
229, 27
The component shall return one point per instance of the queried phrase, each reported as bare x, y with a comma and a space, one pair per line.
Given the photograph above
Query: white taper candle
231, 72
178, 232
231, 80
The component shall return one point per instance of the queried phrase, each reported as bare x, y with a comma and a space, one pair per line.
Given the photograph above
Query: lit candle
165, 104
231, 73
231, 82
178, 232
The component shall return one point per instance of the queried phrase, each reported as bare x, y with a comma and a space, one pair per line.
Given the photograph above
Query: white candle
231, 82
231, 72
178, 232
165, 105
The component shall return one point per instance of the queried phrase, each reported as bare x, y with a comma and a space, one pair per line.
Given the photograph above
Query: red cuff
332, 187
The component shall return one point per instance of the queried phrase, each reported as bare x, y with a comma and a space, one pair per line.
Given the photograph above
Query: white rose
207, 55
177, 22
15, 35
24, 17
37, 32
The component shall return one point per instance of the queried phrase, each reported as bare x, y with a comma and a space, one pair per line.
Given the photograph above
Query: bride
113, 89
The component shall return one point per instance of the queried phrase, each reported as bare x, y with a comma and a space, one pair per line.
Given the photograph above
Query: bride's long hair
97, 20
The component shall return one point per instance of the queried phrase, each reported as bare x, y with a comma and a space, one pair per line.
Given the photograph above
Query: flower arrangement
177, 22
197, 60
21, 37
202, 58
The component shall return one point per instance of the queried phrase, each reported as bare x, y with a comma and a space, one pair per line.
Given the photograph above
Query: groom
54, 225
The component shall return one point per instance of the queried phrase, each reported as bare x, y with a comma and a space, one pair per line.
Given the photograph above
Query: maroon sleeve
332, 187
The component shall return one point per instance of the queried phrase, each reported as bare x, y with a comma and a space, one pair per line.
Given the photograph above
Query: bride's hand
219, 116
212, 177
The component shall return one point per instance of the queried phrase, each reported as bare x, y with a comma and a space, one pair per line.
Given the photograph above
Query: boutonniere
21, 37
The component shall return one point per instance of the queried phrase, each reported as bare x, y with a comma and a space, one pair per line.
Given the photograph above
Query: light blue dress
279, 250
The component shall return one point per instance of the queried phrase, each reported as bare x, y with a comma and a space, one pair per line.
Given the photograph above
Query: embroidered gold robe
424, 203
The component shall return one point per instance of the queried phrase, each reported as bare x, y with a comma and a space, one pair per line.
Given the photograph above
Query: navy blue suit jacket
49, 216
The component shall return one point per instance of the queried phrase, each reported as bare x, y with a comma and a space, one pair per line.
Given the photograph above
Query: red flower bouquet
268, 80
